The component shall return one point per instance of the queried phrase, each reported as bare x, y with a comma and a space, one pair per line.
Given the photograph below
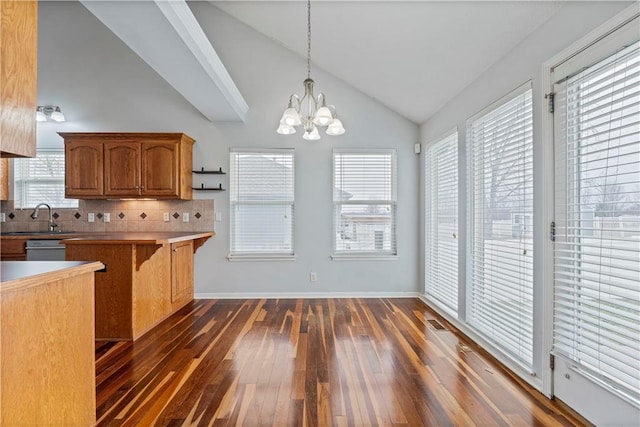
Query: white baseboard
304, 295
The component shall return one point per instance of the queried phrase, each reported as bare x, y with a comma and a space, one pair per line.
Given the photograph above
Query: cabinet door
13, 250
181, 273
4, 179
159, 172
83, 171
122, 169
18, 74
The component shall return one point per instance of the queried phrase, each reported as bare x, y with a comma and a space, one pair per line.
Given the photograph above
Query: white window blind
500, 250
262, 202
597, 249
364, 202
441, 222
41, 180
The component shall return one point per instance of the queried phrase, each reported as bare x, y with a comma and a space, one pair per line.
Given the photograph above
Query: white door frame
548, 173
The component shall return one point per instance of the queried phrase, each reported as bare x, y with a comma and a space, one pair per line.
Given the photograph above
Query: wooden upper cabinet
144, 165
122, 169
18, 77
83, 172
160, 164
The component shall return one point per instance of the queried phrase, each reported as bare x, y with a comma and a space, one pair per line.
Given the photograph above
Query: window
262, 203
597, 259
41, 180
500, 250
441, 222
364, 202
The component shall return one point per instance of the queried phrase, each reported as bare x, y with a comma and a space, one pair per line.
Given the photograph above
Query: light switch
185, 217
218, 216
106, 217
91, 217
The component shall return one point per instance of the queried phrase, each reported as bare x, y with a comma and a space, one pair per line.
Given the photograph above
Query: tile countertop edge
19, 275
138, 238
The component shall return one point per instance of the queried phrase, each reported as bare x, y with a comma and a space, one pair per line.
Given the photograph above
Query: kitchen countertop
140, 238
16, 275
22, 235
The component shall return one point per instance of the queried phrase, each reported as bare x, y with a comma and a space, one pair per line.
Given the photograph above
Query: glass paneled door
596, 290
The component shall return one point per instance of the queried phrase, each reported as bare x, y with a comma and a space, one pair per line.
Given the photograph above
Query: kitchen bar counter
147, 238
12, 244
148, 277
47, 375
16, 275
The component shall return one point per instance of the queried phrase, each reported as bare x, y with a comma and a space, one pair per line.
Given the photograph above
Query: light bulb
40, 117
285, 129
311, 135
290, 117
323, 116
335, 128
58, 116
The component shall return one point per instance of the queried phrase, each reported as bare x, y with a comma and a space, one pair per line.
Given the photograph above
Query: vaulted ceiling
412, 56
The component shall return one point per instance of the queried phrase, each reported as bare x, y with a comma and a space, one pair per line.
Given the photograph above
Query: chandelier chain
308, 39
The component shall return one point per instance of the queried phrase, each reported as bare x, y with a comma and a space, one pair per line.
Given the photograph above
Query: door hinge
552, 362
552, 231
550, 98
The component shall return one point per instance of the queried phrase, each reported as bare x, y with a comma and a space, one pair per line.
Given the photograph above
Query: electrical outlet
3, 218
106, 217
218, 216
91, 217
185, 217
165, 217
313, 276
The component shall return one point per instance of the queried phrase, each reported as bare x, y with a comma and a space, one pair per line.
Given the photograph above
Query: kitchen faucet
34, 215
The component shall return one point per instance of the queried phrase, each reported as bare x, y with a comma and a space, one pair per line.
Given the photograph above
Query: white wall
102, 86
524, 63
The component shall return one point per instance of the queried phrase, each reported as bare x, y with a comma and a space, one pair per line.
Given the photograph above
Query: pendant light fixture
310, 112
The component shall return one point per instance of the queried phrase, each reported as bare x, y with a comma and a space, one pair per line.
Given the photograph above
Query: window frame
261, 255
374, 254
20, 185
449, 140
471, 207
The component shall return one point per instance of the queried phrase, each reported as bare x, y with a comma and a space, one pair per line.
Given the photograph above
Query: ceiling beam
167, 36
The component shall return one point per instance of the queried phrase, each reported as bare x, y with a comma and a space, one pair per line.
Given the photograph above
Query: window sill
363, 257
260, 257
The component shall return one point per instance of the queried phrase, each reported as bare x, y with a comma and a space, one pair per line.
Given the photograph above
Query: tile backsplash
125, 215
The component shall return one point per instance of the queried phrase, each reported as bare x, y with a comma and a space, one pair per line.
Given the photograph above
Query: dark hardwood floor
316, 362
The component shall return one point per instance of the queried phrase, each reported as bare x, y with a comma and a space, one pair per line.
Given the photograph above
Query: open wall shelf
208, 172
202, 187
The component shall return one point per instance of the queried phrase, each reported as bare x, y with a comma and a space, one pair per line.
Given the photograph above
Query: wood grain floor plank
309, 362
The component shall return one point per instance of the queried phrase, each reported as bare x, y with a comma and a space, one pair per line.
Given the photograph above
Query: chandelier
310, 111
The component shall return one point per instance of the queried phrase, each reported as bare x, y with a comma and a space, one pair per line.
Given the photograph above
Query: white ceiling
412, 56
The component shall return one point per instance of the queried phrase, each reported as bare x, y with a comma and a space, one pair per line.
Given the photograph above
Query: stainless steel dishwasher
45, 250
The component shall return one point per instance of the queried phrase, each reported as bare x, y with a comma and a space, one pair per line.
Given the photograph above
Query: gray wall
103, 86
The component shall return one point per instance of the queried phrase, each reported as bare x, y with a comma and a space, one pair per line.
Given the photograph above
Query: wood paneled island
148, 277
47, 343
